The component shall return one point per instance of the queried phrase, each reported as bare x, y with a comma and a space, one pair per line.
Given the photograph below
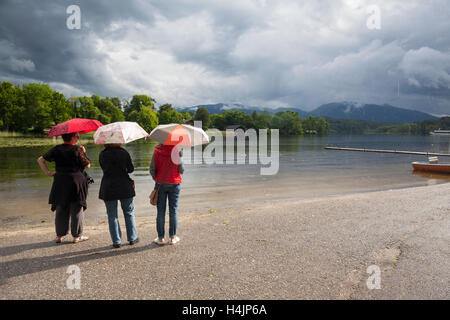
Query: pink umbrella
119, 132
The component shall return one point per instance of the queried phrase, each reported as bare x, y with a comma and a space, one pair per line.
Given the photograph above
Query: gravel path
308, 249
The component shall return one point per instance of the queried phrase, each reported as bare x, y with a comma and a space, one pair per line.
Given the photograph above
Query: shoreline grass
17, 139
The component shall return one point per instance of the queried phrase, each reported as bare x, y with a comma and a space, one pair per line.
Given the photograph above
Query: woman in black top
70, 186
117, 185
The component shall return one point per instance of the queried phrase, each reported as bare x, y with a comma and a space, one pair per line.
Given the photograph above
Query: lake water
306, 171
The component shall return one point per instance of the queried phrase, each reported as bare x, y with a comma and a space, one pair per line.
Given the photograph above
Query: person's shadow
6, 251
19, 267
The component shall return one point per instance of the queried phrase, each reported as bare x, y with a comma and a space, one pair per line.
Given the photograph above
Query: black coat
116, 183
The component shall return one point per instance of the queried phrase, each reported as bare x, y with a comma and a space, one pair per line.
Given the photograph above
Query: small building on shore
440, 132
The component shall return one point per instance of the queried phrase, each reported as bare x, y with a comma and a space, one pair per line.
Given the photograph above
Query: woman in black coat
117, 185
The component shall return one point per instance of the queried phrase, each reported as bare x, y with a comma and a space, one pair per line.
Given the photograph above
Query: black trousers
67, 215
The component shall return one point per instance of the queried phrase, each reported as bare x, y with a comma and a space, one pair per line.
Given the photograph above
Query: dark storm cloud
36, 31
272, 53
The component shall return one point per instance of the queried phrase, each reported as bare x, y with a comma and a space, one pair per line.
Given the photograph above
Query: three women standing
70, 188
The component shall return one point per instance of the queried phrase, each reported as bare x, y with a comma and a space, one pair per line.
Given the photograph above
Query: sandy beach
298, 249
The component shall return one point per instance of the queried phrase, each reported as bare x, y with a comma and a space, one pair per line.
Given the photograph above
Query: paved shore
302, 249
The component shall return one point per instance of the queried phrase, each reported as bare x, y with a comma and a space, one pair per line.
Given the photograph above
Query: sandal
78, 239
59, 239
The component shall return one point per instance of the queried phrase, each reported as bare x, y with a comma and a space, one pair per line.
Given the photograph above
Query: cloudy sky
269, 53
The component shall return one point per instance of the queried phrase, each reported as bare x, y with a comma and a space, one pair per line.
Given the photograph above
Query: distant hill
221, 107
370, 112
337, 110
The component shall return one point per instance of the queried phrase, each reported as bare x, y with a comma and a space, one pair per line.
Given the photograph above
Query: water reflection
432, 176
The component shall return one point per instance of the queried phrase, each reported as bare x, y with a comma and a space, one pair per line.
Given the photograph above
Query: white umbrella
119, 132
179, 134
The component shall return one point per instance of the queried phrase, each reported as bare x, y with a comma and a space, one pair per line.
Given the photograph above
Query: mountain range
221, 107
336, 110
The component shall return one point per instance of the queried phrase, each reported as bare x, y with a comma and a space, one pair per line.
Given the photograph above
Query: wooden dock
429, 154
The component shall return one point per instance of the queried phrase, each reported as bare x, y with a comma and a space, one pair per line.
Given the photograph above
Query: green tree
38, 98
7, 96
218, 121
167, 114
109, 111
264, 120
187, 115
322, 126
147, 118
74, 104
202, 115
238, 117
96, 98
254, 115
116, 102
133, 116
12, 109
87, 109
60, 108
137, 102
104, 119
288, 122
309, 124
165, 107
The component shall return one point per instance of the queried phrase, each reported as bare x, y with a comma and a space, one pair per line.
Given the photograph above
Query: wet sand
199, 196
317, 248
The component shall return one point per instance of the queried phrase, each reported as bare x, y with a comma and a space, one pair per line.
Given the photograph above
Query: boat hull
431, 167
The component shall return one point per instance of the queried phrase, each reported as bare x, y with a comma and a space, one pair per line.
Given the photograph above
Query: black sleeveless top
67, 158
70, 183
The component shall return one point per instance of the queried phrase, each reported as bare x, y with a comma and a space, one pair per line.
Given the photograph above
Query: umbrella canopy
74, 125
179, 134
119, 132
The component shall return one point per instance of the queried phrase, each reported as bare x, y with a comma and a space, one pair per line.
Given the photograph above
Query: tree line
352, 126
416, 128
288, 122
35, 107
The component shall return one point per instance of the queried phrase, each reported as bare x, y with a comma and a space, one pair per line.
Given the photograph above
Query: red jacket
161, 157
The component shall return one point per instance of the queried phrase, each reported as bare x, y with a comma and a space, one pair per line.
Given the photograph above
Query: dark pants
72, 212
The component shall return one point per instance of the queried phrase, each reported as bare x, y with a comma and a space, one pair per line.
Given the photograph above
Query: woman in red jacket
166, 169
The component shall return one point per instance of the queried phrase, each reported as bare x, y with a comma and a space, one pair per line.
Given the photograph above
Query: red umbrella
74, 125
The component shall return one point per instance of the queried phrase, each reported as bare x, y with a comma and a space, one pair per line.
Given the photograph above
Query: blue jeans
169, 192
113, 221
